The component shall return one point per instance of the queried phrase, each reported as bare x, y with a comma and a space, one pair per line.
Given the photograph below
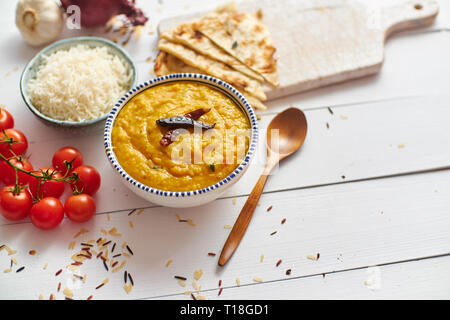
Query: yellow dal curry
200, 160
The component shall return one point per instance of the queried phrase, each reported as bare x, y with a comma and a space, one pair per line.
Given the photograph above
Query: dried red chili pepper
188, 120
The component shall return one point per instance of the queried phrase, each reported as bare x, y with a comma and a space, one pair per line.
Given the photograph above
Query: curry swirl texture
185, 164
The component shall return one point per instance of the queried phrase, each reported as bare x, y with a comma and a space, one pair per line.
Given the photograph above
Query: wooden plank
392, 137
418, 280
350, 225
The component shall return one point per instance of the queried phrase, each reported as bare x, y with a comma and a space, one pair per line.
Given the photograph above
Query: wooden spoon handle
241, 224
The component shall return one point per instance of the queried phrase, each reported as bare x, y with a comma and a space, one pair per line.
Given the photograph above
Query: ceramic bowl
32, 67
189, 198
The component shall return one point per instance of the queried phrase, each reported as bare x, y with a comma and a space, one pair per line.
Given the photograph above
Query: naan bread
214, 68
195, 40
166, 63
245, 37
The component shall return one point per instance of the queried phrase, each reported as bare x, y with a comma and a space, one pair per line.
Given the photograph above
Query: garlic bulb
39, 21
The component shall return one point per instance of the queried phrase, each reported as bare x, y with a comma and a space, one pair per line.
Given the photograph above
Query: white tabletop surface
370, 194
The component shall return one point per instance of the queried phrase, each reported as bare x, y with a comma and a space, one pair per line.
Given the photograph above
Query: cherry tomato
47, 213
89, 180
15, 206
17, 148
6, 119
50, 188
67, 154
80, 208
8, 176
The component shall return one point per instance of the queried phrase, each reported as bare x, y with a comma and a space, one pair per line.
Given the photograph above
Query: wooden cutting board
321, 42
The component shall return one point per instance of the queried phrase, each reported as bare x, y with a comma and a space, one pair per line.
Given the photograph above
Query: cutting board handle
408, 15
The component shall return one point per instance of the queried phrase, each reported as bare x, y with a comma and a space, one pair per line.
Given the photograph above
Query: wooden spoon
290, 126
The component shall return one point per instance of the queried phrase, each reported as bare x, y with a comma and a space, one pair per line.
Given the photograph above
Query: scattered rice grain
82, 231
68, 292
198, 274
129, 250
119, 267
127, 287
131, 279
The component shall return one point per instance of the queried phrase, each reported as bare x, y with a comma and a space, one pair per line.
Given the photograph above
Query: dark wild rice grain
86, 244
106, 267
180, 278
125, 276
278, 263
131, 212
220, 291
99, 286
114, 246
129, 250
131, 279
58, 272
20, 269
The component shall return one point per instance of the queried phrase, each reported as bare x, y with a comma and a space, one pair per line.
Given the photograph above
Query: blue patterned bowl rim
214, 82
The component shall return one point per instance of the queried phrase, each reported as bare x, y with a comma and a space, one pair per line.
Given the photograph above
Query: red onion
95, 13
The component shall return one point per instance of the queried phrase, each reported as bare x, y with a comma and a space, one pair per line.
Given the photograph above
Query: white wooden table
370, 194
